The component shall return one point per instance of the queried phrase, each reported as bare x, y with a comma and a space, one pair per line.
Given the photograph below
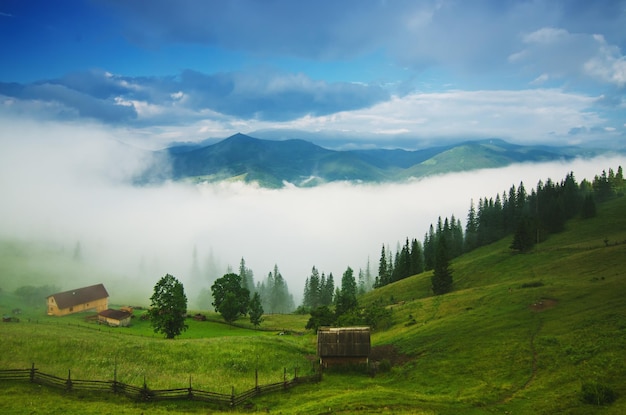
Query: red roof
79, 296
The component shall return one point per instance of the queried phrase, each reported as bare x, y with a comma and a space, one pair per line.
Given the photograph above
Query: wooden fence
144, 393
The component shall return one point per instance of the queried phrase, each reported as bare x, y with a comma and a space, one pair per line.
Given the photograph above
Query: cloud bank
64, 185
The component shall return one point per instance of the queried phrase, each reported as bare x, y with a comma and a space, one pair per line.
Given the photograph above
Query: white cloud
420, 119
539, 115
557, 53
546, 35
608, 64
541, 79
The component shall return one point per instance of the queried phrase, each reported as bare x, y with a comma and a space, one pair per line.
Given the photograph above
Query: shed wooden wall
348, 345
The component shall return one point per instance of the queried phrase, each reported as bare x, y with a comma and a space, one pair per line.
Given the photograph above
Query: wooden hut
116, 318
343, 345
94, 297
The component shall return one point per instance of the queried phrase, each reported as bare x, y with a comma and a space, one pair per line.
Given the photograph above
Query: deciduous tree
230, 299
168, 307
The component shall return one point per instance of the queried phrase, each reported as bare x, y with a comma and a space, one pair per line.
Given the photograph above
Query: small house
115, 318
94, 297
343, 345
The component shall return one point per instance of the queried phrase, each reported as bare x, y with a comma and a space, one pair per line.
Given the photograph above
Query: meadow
520, 333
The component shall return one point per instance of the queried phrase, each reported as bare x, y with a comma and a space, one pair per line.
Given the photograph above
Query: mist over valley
71, 215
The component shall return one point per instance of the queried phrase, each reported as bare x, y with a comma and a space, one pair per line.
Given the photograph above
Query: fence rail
144, 393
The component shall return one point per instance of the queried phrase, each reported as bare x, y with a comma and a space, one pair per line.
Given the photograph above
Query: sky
86, 85
348, 74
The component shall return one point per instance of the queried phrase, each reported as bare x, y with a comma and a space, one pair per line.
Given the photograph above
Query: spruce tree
256, 310
588, 208
442, 274
314, 288
328, 290
471, 229
525, 235
383, 269
346, 300
417, 257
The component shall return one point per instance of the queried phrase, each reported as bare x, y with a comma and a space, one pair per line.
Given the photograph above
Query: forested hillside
530, 217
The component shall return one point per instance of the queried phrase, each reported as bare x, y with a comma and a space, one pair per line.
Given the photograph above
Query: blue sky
345, 74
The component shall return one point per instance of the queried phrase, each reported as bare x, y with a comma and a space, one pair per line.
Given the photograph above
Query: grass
500, 343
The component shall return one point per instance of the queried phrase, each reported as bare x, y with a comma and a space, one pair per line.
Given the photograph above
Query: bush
595, 393
532, 284
384, 366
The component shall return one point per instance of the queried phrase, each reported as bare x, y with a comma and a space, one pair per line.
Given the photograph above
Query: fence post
32, 372
190, 390
115, 388
145, 392
68, 383
232, 397
256, 378
284, 378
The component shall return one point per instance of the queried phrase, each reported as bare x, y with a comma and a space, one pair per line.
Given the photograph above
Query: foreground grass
215, 364
520, 334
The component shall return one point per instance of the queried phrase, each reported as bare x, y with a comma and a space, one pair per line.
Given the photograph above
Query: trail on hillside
533, 372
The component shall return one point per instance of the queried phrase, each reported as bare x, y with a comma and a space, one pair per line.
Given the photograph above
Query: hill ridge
273, 163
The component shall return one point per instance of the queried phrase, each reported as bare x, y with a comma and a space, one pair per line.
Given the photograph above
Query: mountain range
302, 163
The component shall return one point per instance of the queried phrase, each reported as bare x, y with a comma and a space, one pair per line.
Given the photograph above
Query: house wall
113, 322
97, 305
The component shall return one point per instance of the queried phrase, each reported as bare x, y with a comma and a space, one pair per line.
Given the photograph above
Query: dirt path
533, 372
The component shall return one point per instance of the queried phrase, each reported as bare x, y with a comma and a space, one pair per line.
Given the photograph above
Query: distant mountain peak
272, 163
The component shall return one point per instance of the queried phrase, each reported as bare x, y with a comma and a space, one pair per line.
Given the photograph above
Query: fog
66, 192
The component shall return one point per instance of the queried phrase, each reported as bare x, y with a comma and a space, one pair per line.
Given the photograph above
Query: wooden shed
116, 318
343, 345
94, 297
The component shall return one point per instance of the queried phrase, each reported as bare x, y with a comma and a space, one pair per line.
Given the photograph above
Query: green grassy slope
493, 344
521, 333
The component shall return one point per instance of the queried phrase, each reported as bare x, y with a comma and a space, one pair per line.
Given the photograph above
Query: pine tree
417, 258
328, 290
346, 300
368, 276
383, 269
442, 274
247, 278
314, 288
280, 299
429, 248
361, 285
471, 229
572, 199
588, 208
256, 310
306, 295
525, 235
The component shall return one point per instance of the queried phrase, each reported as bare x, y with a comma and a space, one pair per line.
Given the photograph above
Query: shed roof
343, 342
114, 314
78, 296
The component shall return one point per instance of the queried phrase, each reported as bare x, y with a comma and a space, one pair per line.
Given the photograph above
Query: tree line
529, 217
